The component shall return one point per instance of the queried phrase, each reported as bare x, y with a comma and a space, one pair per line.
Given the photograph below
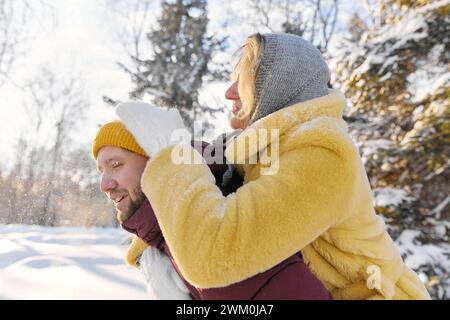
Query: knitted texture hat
115, 134
291, 70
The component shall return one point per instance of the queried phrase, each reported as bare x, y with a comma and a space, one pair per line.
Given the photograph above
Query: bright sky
81, 41
83, 38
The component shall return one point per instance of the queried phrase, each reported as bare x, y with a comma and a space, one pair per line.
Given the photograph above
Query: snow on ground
80, 263
66, 263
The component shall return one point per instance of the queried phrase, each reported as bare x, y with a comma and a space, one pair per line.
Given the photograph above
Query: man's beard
134, 205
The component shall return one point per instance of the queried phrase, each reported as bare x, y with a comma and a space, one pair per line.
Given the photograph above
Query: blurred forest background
390, 57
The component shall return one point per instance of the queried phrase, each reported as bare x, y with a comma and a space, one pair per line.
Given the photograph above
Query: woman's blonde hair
246, 70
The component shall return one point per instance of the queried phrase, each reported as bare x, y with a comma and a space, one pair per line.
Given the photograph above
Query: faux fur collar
331, 105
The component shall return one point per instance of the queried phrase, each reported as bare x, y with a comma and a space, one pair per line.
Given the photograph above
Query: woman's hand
151, 126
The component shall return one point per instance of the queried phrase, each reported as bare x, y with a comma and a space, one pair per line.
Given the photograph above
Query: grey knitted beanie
291, 70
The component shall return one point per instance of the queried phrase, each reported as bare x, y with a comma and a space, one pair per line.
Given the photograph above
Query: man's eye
115, 164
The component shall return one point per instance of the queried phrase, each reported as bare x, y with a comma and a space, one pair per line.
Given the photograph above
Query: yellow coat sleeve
217, 240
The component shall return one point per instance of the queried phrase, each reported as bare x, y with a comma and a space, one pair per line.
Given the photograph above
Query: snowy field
66, 263
80, 263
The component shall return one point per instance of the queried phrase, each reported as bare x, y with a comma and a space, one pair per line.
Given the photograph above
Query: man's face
121, 172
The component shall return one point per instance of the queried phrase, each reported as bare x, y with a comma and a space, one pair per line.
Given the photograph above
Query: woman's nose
232, 92
106, 183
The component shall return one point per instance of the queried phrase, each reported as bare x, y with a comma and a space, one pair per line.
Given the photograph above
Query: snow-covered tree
394, 68
179, 64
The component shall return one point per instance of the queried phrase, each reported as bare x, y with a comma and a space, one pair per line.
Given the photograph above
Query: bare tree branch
313, 19
56, 106
15, 22
131, 36
262, 10
327, 24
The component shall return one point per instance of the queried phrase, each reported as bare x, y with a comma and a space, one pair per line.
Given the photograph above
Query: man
121, 162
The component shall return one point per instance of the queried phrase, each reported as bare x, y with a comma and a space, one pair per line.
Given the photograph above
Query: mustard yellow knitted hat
115, 134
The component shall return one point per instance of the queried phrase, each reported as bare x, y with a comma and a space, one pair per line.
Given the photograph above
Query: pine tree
182, 52
396, 74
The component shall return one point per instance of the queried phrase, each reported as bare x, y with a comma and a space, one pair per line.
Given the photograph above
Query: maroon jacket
289, 280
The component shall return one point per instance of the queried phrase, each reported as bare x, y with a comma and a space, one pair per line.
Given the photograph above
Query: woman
317, 201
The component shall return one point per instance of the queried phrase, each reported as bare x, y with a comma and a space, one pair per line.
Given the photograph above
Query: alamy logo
374, 278
253, 146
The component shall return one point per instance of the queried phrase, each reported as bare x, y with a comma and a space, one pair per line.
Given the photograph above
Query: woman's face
233, 95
